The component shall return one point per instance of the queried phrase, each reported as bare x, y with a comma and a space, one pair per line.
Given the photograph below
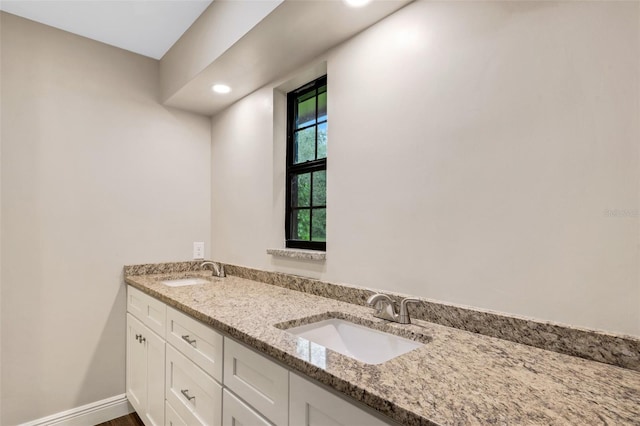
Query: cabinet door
136, 374
145, 372
237, 413
310, 405
155, 379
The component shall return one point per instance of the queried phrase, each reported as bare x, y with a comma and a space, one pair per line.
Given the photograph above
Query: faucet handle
404, 312
374, 298
378, 299
383, 306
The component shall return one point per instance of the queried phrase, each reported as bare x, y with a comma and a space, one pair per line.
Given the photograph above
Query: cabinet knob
138, 336
185, 392
188, 340
142, 339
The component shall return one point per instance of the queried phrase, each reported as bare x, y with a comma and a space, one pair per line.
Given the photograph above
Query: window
307, 166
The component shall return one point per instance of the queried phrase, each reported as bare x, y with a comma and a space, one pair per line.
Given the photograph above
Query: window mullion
308, 166
298, 129
311, 206
316, 121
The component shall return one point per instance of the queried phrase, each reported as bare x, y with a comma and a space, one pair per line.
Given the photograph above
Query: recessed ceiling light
221, 88
356, 3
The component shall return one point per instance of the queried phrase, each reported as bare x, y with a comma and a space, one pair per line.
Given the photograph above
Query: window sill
299, 254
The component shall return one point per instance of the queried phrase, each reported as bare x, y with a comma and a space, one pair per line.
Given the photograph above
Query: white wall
241, 175
473, 151
95, 174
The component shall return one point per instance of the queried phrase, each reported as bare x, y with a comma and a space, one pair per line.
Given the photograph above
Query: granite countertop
457, 378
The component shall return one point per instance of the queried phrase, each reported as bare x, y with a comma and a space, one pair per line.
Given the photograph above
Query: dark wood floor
130, 420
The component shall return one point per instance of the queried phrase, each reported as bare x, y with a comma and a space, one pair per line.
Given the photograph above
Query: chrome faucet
218, 269
385, 308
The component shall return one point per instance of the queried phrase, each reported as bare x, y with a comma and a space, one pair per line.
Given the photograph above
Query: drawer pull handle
189, 341
185, 392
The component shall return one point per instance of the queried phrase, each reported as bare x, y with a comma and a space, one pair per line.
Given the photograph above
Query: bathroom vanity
181, 372
220, 353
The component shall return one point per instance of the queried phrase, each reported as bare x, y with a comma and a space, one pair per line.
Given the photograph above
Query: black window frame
301, 168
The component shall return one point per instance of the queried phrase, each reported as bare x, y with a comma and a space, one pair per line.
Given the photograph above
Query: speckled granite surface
623, 351
298, 254
457, 378
162, 268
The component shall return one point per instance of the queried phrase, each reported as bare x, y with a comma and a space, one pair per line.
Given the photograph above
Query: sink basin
354, 340
184, 281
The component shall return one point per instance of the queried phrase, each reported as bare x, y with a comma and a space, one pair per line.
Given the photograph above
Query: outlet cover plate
198, 250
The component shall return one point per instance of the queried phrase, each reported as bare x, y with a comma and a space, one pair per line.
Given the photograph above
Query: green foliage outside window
307, 164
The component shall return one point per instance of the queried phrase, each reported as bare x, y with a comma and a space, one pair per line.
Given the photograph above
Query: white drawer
196, 341
260, 382
150, 311
171, 418
193, 394
312, 405
237, 413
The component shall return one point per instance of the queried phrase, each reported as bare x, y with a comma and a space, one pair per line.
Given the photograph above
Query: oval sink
354, 340
184, 281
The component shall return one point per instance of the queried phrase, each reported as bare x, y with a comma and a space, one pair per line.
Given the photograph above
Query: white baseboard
88, 415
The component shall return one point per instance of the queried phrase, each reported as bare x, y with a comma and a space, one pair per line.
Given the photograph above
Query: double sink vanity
230, 350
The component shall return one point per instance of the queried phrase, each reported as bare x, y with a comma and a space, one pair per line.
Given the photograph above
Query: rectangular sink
179, 282
356, 341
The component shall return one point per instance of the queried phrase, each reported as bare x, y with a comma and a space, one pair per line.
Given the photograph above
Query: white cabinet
136, 365
204, 379
150, 311
145, 372
310, 405
194, 395
171, 418
199, 343
237, 413
257, 380
194, 370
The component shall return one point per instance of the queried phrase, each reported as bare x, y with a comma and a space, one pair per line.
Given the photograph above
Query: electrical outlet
198, 250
